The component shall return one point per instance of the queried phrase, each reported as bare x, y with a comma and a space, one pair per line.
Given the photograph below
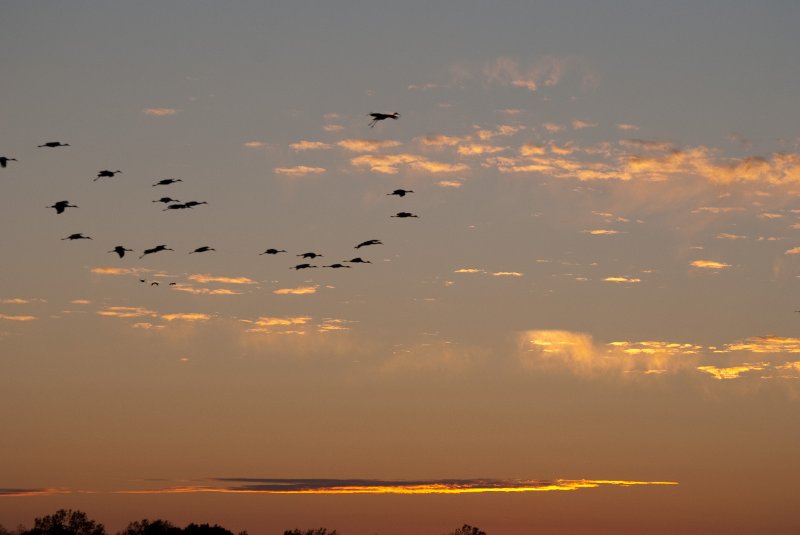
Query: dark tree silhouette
205, 529
466, 529
147, 527
318, 531
66, 522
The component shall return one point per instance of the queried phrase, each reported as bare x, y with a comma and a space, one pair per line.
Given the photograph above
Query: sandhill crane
105, 173
273, 251
78, 236
302, 266
382, 116
368, 242
154, 283
309, 255
192, 204
401, 192
120, 250
337, 266
167, 181
4, 160
52, 144
177, 206
202, 249
166, 200
358, 260
60, 206
404, 214
156, 249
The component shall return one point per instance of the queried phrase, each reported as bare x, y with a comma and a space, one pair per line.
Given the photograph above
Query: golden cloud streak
309, 145
160, 112
225, 280
622, 279
367, 145
187, 316
126, 312
517, 486
302, 290
116, 271
732, 372
300, 170
17, 318
709, 264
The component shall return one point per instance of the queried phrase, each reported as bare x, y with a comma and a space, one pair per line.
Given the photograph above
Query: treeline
69, 522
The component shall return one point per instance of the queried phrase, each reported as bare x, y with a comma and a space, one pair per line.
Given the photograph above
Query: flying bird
202, 249
368, 242
192, 204
54, 144
358, 260
60, 206
167, 181
154, 283
302, 266
382, 116
166, 200
404, 214
156, 249
4, 161
105, 173
78, 236
309, 255
337, 266
177, 206
120, 250
272, 251
401, 192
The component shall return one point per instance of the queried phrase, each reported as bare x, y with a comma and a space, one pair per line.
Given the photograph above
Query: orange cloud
309, 145
186, 316
507, 274
8, 317
255, 144
732, 372
126, 312
602, 232
117, 271
367, 145
793, 250
225, 280
709, 264
622, 279
300, 170
580, 125
160, 112
439, 140
449, 184
475, 149
302, 290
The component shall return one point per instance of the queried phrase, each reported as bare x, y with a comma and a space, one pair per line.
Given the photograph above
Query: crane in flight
404, 214
381, 117
167, 181
357, 260
156, 249
298, 267
273, 251
120, 250
52, 144
60, 206
368, 242
78, 236
202, 249
105, 173
309, 255
401, 192
4, 161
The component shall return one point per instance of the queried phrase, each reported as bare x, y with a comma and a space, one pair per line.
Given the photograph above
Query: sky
590, 327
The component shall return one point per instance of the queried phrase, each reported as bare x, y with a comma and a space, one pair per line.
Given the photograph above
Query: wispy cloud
204, 279
507, 274
300, 290
309, 145
186, 316
439, 140
204, 291
449, 183
299, 170
477, 149
12, 492
732, 372
629, 280
126, 312
11, 317
390, 163
117, 271
255, 144
709, 264
160, 112
367, 145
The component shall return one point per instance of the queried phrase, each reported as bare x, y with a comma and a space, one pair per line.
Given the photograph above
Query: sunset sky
590, 328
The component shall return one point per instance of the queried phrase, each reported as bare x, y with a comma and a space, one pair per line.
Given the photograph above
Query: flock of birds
173, 204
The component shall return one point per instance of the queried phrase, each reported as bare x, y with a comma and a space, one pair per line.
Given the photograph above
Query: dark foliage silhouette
65, 522
466, 529
318, 531
147, 527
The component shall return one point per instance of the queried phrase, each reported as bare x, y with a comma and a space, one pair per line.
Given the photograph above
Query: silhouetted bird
167, 181
177, 206
105, 173
382, 116
404, 214
156, 249
167, 200
337, 266
401, 192
154, 283
273, 251
309, 255
120, 250
192, 204
173, 284
60, 206
4, 161
202, 249
78, 236
54, 144
302, 266
368, 242
358, 260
